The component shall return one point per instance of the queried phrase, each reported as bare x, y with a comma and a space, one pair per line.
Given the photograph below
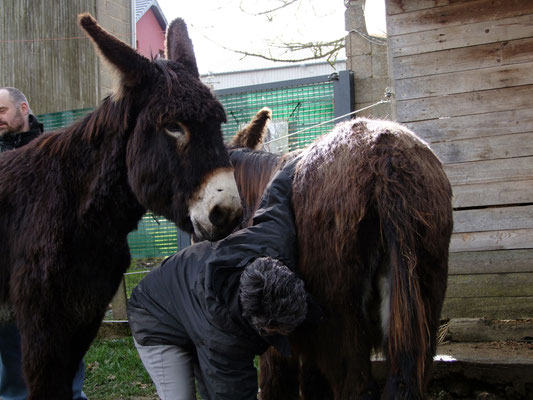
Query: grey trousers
173, 371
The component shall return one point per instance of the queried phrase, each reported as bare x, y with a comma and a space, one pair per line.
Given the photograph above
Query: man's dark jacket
11, 141
192, 300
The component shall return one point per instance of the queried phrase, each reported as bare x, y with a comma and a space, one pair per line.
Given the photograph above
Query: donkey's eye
175, 130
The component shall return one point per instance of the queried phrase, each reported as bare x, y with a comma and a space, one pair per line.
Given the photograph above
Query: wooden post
119, 301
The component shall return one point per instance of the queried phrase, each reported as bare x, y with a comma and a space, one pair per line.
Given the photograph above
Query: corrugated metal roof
231, 79
142, 6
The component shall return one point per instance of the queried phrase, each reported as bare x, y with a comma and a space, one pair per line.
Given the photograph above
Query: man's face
12, 118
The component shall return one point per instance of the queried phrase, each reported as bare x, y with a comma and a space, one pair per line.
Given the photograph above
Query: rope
382, 101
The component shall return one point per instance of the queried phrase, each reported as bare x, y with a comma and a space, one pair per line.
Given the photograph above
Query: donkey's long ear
251, 137
179, 46
130, 65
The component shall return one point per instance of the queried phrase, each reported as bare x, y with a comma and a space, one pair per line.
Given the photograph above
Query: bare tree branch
319, 50
280, 49
285, 3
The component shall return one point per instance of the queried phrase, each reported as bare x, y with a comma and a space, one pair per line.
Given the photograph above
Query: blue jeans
12, 386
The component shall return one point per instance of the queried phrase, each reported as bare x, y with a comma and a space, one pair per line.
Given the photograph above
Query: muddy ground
497, 370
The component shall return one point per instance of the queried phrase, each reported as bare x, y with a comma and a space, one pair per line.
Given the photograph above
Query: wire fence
301, 106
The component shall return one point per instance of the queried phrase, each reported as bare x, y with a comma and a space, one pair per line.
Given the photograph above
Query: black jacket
11, 141
192, 300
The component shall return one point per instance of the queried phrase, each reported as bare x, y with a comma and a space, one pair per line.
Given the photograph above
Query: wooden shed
462, 75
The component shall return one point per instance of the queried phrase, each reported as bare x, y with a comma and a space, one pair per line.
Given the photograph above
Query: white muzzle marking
220, 190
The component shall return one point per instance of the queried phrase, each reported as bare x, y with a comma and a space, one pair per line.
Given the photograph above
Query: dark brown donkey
374, 218
69, 199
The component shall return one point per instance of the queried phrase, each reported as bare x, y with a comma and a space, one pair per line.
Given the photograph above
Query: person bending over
209, 309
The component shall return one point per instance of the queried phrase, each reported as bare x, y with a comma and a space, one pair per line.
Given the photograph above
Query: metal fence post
343, 94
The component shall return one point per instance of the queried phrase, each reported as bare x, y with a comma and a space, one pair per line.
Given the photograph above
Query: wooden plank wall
463, 80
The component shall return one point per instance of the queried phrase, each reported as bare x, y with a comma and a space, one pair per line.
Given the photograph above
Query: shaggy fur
273, 298
374, 219
69, 198
251, 137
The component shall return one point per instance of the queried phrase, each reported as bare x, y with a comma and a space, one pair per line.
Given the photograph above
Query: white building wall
233, 79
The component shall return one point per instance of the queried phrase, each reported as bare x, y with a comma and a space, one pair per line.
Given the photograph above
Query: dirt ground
460, 387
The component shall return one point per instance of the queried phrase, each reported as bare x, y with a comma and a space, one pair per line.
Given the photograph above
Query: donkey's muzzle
217, 209
225, 217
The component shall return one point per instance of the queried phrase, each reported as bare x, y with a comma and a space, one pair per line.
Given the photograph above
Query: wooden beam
463, 104
464, 58
488, 307
512, 169
493, 193
490, 262
488, 148
490, 285
462, 13
400, 6
492, 240
464, 81
460, 36
492, 219
474, 126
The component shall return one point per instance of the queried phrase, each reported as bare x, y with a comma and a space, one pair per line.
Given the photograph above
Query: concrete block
118, 11
380, 65
370, 89
106, 81
115, 16
121, 29
357, 45
105, 21
360, 65
378, 48
354, 17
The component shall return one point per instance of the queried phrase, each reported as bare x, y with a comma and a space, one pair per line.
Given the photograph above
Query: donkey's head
177, 163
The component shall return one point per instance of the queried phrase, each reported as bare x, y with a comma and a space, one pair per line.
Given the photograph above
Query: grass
138, 266
113, 371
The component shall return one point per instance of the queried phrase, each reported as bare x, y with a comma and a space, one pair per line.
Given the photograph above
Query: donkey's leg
342, 355
46, 359
81, 342
45, 330
278, 376
313, 384
357, 382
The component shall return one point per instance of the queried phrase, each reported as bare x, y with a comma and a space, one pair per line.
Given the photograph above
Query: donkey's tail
408, 337
413, 200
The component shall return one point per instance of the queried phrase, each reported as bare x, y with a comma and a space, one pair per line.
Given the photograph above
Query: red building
150, 26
